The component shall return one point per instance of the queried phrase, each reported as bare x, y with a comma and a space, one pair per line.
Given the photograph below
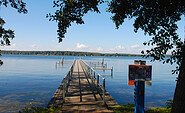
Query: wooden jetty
81, 91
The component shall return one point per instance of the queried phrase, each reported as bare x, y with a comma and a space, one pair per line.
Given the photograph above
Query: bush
169, 103
35, 109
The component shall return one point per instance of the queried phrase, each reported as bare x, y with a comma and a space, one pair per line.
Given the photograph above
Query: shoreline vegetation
129, 108
67, 53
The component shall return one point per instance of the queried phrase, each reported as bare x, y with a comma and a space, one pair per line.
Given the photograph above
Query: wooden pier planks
82, 95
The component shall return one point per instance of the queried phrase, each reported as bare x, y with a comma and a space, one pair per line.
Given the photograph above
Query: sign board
140, 72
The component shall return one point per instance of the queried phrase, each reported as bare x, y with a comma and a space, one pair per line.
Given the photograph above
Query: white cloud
68, 49
99, 49
13, 45
135, 46
10, 47
33, 46
134, 49
119, 47
58, 47
81, 46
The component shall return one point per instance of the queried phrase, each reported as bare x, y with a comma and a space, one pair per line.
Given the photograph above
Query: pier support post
56, 65
103, 91
102, 61
62, 61
94, 77
98, 81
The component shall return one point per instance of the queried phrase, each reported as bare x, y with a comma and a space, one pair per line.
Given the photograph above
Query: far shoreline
67, 53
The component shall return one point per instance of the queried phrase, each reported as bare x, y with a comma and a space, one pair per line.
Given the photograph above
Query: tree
5, 34
157, 18
1, 62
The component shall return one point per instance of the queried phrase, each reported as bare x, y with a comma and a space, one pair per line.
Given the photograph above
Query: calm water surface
32, 80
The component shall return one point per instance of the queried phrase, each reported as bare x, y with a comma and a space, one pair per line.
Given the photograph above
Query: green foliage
69, 11
66, 53
129, 108
5, 34
158, 110
157, 18
166, 109
1, 62
169, 103
19, 5
35, 109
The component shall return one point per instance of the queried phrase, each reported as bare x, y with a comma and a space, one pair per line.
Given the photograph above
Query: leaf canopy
157, 18
5, 34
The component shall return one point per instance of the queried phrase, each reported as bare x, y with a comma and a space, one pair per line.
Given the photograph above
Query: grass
159, 110
35, 109
130, 108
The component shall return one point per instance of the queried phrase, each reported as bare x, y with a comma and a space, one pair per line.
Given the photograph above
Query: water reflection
29, 80
163, 82
26, 80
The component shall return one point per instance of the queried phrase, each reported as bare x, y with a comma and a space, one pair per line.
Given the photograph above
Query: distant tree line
67, 53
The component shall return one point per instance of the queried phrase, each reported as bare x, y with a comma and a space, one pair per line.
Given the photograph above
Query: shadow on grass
35, 109
130, 108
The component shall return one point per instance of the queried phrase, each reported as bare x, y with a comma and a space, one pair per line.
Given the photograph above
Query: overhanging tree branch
5, 34
70, 11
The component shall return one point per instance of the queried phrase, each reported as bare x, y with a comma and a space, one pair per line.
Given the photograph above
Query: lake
33, 79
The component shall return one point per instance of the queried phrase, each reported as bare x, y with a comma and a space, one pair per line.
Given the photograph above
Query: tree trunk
179, 95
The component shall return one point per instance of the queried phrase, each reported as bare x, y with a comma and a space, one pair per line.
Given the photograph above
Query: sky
34, 32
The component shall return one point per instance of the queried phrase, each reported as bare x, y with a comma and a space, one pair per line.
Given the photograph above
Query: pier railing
66, 80
100, 66
95, 78
97, 64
